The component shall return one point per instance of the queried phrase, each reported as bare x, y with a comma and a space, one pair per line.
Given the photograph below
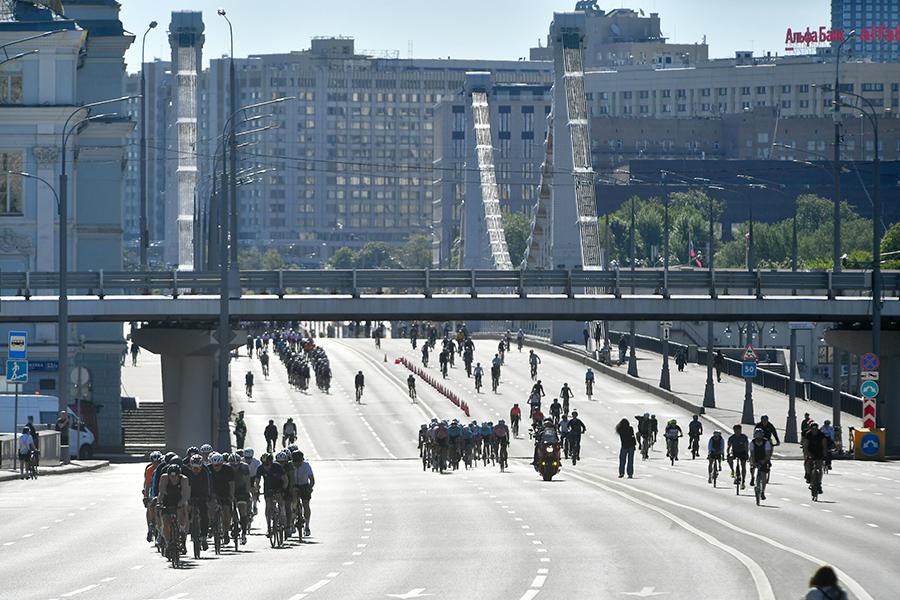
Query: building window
527, 118
645, 109
785, 89
643, 94
682, 108
667, 108
626, 110
10, 185
528, 149
459, 148
723, 91
804, 88
504, 119
666, 93
895, 87
626, 95
785, 104
681, 93
705, 92
705, 107
745, 91
760, 89
804, 104
873, 87
11, 85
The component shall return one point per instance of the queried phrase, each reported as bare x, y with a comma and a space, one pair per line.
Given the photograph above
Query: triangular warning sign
749, 354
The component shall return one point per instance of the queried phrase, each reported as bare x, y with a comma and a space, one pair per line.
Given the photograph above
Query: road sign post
17, 374
868, 389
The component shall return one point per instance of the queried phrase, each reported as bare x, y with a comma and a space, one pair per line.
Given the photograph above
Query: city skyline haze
431, 29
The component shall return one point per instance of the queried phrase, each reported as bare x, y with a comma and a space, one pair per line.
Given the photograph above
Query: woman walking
824, 586
626, 452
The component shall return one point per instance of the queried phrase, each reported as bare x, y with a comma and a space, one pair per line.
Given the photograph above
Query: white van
44, 409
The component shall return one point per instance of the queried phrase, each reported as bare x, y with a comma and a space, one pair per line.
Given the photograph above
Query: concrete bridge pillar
189, 379
888, 400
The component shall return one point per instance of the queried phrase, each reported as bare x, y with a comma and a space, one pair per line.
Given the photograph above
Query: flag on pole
692, 252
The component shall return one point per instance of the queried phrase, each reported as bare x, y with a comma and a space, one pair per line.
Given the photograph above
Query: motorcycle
547, 463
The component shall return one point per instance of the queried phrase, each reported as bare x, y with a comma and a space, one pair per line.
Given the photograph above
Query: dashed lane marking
79, 591
317, 585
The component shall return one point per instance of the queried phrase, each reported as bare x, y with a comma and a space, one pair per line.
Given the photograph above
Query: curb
63, 470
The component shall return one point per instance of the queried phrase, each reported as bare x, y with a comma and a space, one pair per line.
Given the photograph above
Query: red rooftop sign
793, 39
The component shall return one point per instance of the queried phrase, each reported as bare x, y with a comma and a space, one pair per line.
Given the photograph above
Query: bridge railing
456, 281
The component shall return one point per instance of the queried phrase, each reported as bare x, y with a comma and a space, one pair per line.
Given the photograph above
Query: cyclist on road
738, 448
271, 435
275, 482
411, 384
240, 429
515, 415
479, 375
520, 339
566, 394
304, 481
222, 477
248, 384
174, 493
495, 377
360, 382
715, 449
760, 455
288, 432
534, 360
576, 429
537, 390
425, 351
695, 430
768, 430
672, 433
589, 382
817, 450
555, 411
201, 490
564, 434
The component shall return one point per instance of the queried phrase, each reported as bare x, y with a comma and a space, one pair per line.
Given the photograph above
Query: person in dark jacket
271, 435
626, 452
719, 364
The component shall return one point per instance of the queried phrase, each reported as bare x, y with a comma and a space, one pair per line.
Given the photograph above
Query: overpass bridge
561, 295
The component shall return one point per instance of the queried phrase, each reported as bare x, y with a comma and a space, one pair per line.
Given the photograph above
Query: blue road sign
868, 388
18, 344
869, 362
17, 371
870, 444
748, 369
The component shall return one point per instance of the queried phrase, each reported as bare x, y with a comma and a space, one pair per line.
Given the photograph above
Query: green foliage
344, 258
272, 260
375, 255
417, 253
890, 242
517, 227
249, 259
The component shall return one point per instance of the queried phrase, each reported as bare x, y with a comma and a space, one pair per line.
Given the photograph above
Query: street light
63, 202
142, 219
836, 242
232, 184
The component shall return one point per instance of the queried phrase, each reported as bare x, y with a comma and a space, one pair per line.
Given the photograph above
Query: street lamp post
836, 241
747, 413
144, 238
232, 150
632, 359
790, 430
709, 392
664, 378
63, 302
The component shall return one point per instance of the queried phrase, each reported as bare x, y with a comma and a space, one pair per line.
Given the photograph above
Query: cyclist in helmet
222, 476
156, 458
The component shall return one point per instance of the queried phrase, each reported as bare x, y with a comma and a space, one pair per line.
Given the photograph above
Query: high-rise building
877, 25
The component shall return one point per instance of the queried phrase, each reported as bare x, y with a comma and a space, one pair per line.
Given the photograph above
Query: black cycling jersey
221, 479
739, 443
200, 483
272, 478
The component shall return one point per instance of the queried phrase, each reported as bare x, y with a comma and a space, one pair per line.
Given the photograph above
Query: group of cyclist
214, 495
444, 445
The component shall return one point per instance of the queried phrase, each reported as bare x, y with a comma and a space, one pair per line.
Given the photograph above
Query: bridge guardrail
420, 281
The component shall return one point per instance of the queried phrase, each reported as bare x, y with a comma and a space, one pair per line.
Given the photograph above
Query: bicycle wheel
217, 534
756, 490
195, 534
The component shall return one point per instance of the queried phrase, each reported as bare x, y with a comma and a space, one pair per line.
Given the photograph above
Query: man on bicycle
768, 430
537, 391
174, 493
479, 375
715, 449
576, 429
564, 434
555, 411
275, 482
515, 415
495, 377
566, 394
645, 434
264, 362
589, 382
760, 455
672, 433
223, 490
695, 430
816, 450
201, 490
520, 339
533, 360
242, 487
411, 384
248, 384
738, 448
288, 432
304, 480
360, 382
501, 439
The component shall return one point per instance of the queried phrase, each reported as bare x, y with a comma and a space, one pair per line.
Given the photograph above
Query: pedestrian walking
587, 338
623, 349
824, 586
719, 364
271, 435
626, 452
680, 360
240, 429
598, 334
62, 426
135, 350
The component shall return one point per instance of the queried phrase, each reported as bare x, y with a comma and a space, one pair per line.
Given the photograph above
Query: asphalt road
384, 528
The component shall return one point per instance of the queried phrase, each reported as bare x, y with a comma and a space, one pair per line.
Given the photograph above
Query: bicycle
412, 393
672, 449
196, 537
495, 383
277, 520
359, 393
714, 475
533, 372
31, 469
762, 477
589, 388
248, 389
695, 446
503, 457
299, 520
515, 427
216, 520
478, 384
173, 547
815, 479
235, 526
575, 450
645, 447
740, 473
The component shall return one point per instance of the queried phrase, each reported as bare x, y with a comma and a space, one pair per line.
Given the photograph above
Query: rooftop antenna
409, 49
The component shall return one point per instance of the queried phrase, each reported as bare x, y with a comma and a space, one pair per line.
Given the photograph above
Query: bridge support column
888, 404
189, 377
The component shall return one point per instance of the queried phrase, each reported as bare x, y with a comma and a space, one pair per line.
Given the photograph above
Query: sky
490, 29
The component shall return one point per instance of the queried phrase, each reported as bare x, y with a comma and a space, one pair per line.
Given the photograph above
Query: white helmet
216, 459
282, 456
248, 452
205, 449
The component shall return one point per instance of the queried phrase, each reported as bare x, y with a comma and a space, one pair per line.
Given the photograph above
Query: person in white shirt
304, 480
26, 445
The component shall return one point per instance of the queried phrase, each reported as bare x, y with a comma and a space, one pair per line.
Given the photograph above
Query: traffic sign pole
15, 426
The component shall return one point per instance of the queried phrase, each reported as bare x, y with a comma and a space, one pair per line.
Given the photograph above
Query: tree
375, 255
249, 259
416, 253
517, 227
272, 260
342, 259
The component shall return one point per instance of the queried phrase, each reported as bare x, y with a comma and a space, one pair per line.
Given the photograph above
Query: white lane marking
44, 527
361, 545
849, 517
826, 510
356, 554
297, 597
301, 429
543, 571
332, 575
27, 535
107, 579
529, 595
136, 567
317, 585
79, 590
762, 583
851, 583
8, 543
347, 563
873, 525
545, 559
538, 581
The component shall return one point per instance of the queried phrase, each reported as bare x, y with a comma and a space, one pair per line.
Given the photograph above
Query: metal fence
473, 282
